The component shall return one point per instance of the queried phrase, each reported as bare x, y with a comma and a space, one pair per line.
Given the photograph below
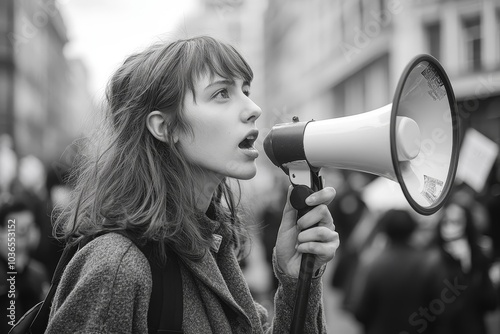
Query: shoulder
107, 284
112, 246
111, 254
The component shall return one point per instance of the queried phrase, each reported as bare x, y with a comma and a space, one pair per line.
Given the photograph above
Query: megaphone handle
297, 199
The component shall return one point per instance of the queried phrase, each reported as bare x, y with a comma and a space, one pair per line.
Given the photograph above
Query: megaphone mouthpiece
268, 148
285, 143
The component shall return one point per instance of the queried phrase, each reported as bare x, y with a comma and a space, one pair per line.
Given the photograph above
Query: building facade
40, 86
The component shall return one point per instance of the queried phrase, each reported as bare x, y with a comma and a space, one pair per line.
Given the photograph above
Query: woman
180, 126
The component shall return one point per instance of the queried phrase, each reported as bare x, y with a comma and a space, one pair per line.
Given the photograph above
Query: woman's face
453, 225
223, 122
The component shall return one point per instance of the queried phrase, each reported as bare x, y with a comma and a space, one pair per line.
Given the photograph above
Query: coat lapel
221, 274
207, 272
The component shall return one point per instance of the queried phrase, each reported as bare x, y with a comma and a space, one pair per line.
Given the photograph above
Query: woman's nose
252, 112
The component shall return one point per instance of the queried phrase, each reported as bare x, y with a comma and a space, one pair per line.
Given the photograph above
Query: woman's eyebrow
220, 82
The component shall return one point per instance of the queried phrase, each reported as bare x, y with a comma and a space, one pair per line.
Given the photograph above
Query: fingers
317, 234
323, 196
324, 249
318, 239
317, 231
318, 215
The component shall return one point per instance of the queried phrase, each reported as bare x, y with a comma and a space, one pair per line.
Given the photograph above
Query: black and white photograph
250, 166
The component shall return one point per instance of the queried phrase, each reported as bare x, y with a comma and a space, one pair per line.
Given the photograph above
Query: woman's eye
222, 94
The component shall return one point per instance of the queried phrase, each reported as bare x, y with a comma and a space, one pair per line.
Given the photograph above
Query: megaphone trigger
298, 199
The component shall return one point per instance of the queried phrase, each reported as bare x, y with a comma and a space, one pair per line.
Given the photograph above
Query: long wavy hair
126, 179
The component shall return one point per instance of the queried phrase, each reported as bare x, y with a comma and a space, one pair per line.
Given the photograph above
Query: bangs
205, 56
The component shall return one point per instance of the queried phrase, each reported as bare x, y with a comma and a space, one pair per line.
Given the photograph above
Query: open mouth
249, 140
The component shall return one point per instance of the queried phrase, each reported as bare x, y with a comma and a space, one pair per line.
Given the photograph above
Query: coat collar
221, 273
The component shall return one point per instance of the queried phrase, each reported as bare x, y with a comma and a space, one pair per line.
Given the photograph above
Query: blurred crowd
400, 272
29, 191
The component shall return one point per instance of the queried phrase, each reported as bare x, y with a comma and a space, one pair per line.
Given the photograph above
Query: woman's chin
247, 176
244, 173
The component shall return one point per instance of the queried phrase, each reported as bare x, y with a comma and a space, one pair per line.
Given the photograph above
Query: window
472, 43
433, 33
351, 20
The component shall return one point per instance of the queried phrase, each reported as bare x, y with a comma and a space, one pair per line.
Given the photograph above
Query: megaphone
413, 141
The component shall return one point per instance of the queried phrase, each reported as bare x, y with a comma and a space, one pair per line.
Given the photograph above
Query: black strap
172, 302
166, 303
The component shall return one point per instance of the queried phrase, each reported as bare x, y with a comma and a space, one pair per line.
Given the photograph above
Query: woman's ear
157, 124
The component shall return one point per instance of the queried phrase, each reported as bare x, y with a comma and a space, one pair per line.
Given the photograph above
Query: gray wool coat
107, 285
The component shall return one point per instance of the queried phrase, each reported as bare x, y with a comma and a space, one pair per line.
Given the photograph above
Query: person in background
389, 291
464, 264
50, 249
29, 281
348, 210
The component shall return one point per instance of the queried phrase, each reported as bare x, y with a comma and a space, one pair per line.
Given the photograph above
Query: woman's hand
294, 238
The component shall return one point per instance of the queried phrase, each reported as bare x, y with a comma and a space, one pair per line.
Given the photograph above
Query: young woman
179, 125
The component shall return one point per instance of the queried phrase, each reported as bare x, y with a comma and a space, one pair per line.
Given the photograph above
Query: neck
205, 186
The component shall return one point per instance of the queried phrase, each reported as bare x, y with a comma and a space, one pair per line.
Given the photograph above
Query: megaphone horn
413, 141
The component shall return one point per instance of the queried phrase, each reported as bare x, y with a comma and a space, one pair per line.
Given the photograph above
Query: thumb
289, 213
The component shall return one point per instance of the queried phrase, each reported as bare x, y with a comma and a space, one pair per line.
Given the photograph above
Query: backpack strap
165, 311
167, 289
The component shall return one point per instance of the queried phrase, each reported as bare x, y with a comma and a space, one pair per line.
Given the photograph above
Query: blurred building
40, 87
328, 59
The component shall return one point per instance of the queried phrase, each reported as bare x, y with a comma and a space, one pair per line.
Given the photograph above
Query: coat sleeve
102, 292
284, 301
